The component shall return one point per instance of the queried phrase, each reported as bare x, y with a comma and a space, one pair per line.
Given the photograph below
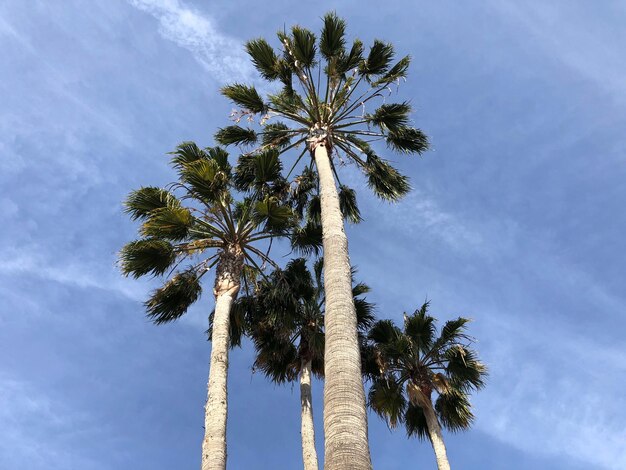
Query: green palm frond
415, 422
364, 313
407, 140
386, 182
277, 135
264, 58
307, 239
258, 171
379, 59
314, 210
465, 370
391, 116
352, 59
304, 49
147, 256
454, 410
395, 73
171, 301
332, 40
387, 400
205, 180
420, 328
236, 135
277, 217
245, 96
348, 205
187, 152
171, 222
141, 202
384, 332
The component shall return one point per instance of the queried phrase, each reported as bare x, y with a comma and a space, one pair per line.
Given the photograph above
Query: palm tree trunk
226, 288
307, 429
345, 418
436, 438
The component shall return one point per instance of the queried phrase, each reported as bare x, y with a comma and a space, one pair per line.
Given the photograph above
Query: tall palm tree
407, 366
322, 109
285, 319
188, 235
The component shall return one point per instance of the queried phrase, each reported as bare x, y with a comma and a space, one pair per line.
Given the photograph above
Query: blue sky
516, 221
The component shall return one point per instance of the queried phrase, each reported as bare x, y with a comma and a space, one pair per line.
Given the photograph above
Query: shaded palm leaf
148, 256
171, 301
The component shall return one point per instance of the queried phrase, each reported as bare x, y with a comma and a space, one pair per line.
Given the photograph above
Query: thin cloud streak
221, 55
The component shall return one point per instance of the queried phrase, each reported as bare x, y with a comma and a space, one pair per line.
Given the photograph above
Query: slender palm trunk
307, 429
345, 418
436, 438
226, 288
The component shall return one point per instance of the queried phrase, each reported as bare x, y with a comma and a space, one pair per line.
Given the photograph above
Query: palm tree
321, 109
210, 229
406, 366
285, 319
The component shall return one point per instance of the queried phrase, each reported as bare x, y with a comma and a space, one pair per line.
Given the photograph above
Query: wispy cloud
33, 428
221, 55
592, 48
561, 399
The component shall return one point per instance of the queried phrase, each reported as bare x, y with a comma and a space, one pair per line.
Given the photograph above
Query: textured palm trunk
345, 418
226, 288
436, 438
307, 429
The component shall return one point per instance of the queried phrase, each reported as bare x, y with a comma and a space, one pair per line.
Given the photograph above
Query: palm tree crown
325, 90
407, 366
200, 227
285, 320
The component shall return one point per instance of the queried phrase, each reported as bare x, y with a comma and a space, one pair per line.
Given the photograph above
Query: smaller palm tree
407, 366
192, 226
285, 319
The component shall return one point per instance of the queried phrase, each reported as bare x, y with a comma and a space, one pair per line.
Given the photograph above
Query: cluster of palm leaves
309, 318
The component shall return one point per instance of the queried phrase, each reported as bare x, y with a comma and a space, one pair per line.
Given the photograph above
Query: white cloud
221, 55
30, 260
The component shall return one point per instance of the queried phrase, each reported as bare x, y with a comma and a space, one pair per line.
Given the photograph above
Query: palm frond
348, 204
187, 152
379, 58
171, 301
147, 256
304, 48
171, 222
392, 116
466, 372
141, 202
384, 332
332, 39
387, 400
307, 239
235, 135
420, 328
415, 422
245, 96
277, 135
454, 410
386, 182
395, 73
407, 140
352, 59
205, 180
264, 58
